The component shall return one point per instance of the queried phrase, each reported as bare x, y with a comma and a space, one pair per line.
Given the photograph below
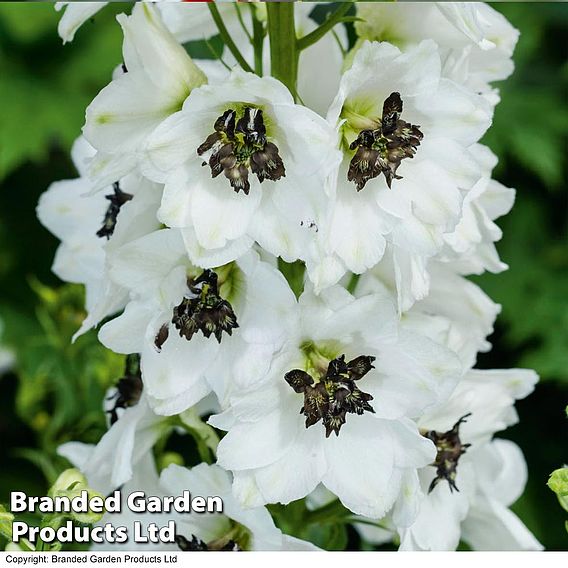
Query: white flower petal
117, 121
175, 376
491, 526
268, 439
150, 46
75, 15
297, 473
370, 490
126, 333
218, 213
357, 230
142, 264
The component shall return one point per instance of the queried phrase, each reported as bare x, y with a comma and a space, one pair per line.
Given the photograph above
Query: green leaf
209, 48
327, 536
61, 385
28, 22
294, 273
326, 526
537, 140
43, 79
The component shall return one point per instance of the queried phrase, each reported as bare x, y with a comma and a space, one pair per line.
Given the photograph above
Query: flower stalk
258, 34
283, 48
226, 37
334, 19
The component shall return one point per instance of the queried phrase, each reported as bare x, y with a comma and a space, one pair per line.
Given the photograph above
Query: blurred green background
55, 392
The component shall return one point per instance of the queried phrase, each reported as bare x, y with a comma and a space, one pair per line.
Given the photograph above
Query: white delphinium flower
490, 57
456, 312
319, 66
501, 473
468, 249
111, 463
236, 528
144, 478
476, 41
232, 529
75, 218
91, 226
134, 429
346, 364
242, 163
188, 322
159, 76
466, 492
393, 106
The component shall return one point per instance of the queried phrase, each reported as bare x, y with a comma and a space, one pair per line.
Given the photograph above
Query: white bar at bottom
260, 559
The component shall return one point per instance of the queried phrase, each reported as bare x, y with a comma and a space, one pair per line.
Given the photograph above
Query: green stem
339, 43
241, 21
283, 51
257, 41
320, 31
227, 39
216, 55
39, 545
54, 522
353, 283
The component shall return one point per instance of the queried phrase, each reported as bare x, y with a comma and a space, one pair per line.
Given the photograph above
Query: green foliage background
54, 393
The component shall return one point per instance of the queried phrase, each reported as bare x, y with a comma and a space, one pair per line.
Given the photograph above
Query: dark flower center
197, 545
239, 145
450, 449
117, 200
202, 309
128, 389
335, 394
382, 150
236, 539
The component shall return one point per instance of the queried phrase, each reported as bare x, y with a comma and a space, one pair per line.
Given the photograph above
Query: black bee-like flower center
197, 545
117, 200
236, 539
450, 449
382, 150
201, 309
240, 145
128, 389
335, 395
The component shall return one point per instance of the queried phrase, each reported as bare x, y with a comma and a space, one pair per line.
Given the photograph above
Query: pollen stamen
117, 200
450, 449
201, 309
128, 389
335, 394
382, 150
240, 145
